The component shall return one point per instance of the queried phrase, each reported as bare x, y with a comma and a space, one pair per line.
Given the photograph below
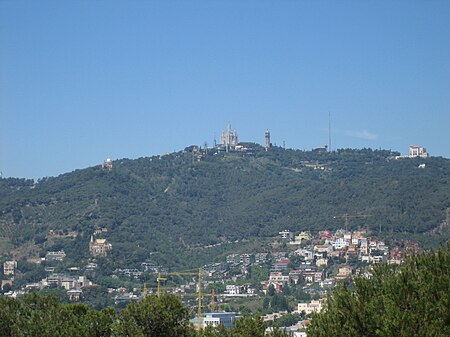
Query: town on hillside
286, 283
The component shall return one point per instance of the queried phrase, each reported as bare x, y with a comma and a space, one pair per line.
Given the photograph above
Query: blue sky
81, 81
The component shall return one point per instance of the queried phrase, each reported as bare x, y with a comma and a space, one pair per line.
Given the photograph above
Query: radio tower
329, 131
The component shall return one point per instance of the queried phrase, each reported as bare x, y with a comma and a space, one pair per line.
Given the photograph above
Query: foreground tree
38, 315
163, 315
249, 326
402, 301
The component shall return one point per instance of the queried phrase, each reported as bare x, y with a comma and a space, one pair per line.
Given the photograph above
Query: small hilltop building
107, 164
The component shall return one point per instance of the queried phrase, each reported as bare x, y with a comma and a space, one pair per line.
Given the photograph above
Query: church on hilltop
229, 139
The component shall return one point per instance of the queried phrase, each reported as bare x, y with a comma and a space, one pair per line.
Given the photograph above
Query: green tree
249, 326
271, 290
410, 300
279, 302
287, 320
9, 309
96, 297
279, 332
218, 331
38, 315
163, 315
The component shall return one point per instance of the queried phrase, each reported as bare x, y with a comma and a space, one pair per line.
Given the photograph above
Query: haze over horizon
84, 81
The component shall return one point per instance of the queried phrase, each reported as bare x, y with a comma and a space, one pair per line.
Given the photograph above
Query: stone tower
267, 143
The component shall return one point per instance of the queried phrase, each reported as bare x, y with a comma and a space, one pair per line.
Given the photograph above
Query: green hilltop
167, 209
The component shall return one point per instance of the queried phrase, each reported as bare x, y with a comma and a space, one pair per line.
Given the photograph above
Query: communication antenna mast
329, 131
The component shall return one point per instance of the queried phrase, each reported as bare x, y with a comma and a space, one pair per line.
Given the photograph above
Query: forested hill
173, 204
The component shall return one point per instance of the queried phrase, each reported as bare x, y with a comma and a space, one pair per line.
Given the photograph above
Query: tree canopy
408, 300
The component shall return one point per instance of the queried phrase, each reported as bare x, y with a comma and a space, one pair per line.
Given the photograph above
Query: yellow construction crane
199, 293
199, 312
212, 300
159, 279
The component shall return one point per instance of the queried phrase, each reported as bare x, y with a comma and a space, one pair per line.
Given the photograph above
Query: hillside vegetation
166, 208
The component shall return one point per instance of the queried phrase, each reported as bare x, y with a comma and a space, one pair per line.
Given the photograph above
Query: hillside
165, 208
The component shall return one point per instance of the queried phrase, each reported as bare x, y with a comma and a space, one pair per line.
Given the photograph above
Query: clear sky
81, 81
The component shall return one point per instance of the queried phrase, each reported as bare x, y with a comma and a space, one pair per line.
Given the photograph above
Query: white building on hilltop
418, 151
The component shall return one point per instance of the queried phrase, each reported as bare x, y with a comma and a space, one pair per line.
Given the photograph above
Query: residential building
55, 256
74, 294
328, 249
278, 277
307, 254
260, 258
303, 236
66, 282
6, 282
214, 319
309, 307
281, 264
232, 289
340, 243
344, 272
9, 267
233, 258
247, 258
322, 262
287, 235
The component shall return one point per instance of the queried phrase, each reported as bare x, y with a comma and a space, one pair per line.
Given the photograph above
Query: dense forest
168, 208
